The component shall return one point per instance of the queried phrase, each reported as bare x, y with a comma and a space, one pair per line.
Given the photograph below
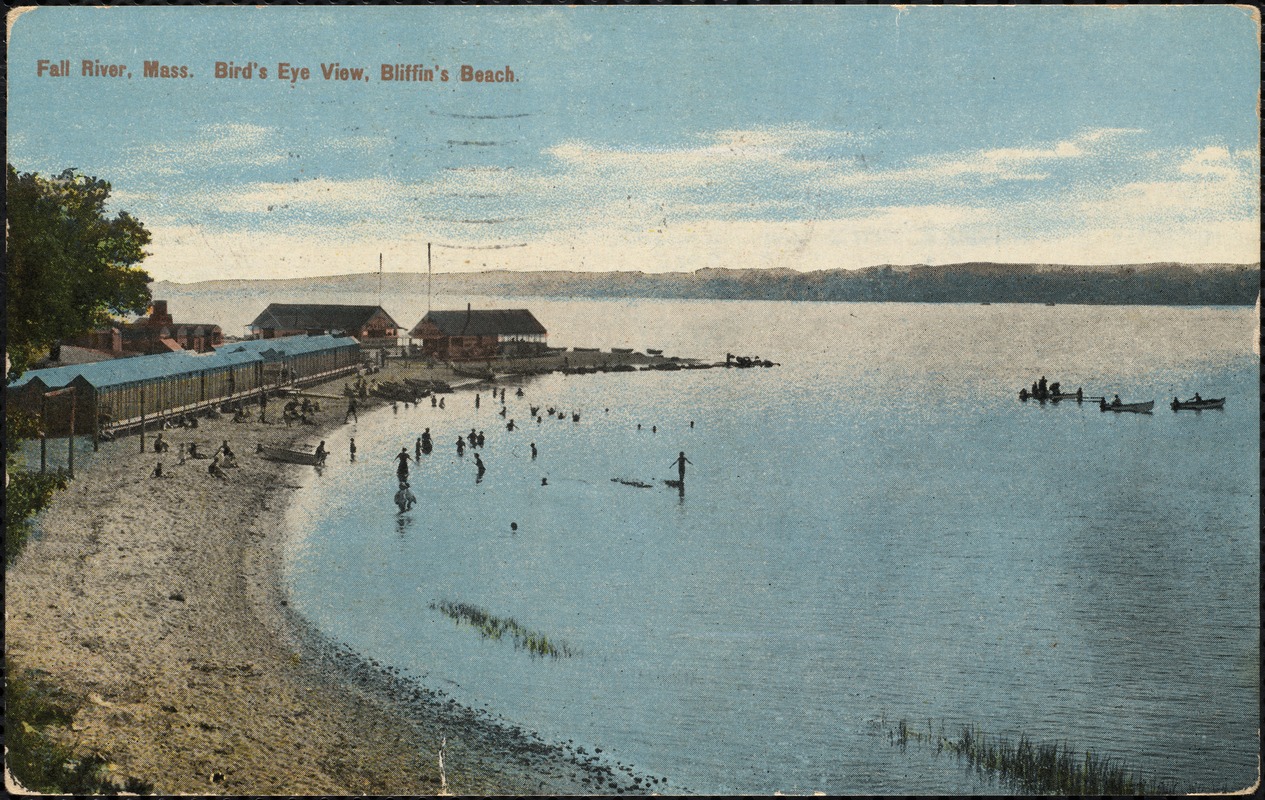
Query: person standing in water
427, 445
533, 451
478, 464
417, 450
461, 446
352, 448
402, 470
680, 462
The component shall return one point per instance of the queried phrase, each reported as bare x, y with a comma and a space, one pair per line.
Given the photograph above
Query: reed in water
1035, 767
491, 626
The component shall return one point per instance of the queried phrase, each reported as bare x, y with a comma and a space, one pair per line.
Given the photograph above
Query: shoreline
161, 604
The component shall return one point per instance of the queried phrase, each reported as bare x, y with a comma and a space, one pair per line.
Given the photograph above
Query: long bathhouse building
472, 335
121, 393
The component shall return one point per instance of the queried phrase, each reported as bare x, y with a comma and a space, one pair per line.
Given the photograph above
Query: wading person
351, 447
402, 470
680, 462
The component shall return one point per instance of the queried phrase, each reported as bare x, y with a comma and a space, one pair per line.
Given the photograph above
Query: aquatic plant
491, 626
1034, 767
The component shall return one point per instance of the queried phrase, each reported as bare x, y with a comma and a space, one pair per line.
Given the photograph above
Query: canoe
289, 456
1135, 408
1197, 405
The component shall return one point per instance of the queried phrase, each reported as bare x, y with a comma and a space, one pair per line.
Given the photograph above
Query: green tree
69, 267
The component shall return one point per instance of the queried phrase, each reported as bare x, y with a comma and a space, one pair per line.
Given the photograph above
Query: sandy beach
159, 602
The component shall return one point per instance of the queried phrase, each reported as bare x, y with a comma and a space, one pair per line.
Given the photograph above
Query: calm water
876, 530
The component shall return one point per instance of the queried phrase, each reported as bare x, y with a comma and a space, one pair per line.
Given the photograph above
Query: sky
655, 139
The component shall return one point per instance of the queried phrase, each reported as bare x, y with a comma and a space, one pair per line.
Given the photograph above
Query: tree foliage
70, 267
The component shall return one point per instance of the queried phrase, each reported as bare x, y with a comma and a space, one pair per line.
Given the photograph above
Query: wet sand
160, 602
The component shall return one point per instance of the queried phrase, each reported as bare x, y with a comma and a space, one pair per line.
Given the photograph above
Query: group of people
222, 458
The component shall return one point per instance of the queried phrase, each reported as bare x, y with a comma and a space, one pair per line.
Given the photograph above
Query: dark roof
312, 316
497, 322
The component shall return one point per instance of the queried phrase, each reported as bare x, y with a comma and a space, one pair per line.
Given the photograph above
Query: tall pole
379, 279
43, 434
428, 277
70, 457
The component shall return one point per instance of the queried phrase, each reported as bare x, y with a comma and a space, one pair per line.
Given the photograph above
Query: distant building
149, 335
474, 335
370, 323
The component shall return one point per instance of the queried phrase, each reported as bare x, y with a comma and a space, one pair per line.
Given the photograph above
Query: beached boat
1135, 408
290, 456
622, 350
1197, 405
650, 351
472, 372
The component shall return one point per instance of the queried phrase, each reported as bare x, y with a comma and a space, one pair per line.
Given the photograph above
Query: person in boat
1115, 400
680, 462
1054, 388
1041, 385
1033, 392
352, 448
1198, 399
1080, 395
402, 469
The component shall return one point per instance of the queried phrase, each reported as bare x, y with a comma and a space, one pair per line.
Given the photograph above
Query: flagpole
428, 277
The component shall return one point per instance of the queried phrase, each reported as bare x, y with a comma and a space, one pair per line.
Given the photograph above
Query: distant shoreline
1135, 284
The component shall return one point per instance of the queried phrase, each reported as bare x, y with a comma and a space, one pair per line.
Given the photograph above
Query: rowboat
650, 351
290, 456
1196, 405
1135, 408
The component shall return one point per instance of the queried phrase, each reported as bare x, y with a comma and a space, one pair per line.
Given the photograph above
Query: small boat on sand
1135, 408
650, 351
1197, 405
290, 456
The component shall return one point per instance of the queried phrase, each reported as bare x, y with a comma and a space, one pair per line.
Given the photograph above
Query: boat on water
1200, 404
290, 456
1135, 408
650, 351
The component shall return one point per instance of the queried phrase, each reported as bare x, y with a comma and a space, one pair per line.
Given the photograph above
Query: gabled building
149, 335
370, 323
475, 335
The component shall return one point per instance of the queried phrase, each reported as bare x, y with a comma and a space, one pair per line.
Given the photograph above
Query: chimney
158, 314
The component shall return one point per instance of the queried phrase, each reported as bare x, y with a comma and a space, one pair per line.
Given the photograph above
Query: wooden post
70, 456
142, 418
43, 434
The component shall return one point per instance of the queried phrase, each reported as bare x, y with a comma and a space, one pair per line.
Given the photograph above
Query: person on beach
158, 470
476, 399
181, 453
193, 451
533, 451
402, 470
263, 407
230, 459
214, 469
433, 401
351, 411
160, 446
680, 462
352, 448
441, 402
503, 410
519, 393
395, 407
320, 453
461, 446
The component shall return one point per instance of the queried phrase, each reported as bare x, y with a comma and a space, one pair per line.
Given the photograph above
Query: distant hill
981, 282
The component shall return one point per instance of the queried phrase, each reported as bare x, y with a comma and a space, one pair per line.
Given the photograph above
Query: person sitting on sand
158, 470
230, 458
441, 402
160, 446
214, 469
193, 451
